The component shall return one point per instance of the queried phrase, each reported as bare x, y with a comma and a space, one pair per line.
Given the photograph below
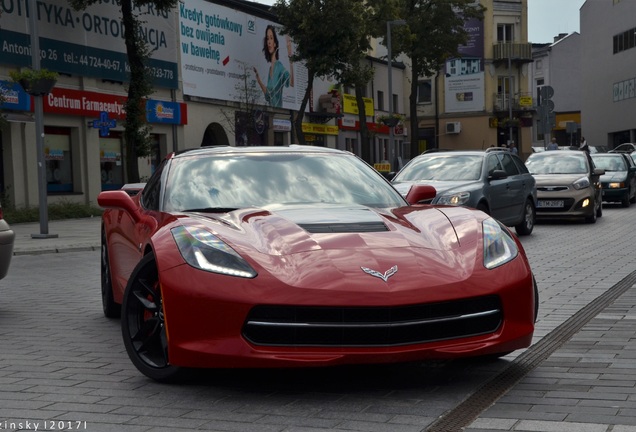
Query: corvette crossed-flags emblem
384, 276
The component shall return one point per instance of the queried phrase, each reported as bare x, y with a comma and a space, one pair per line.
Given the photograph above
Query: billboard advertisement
220, 46
465, 80
88, 42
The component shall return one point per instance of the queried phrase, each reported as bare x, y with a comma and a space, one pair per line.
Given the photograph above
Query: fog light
586, 202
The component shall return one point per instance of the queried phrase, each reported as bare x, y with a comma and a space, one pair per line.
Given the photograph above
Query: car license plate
550, 204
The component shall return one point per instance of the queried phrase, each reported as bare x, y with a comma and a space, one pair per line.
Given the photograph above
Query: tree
242, 122
330, 36
434, 31
136, 129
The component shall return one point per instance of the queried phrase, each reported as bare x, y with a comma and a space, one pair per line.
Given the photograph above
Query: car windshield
442, 168
610, 163
261, 179
557, 162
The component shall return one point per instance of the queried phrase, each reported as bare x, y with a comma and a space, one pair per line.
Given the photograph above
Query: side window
493, 164
509, 165
523, 169
151, 195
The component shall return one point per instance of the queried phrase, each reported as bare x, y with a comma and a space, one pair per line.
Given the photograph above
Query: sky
548, 18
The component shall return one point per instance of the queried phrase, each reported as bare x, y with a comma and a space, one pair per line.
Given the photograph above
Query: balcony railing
513, 51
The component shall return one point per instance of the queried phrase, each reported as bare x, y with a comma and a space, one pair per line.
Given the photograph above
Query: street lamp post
392, 157
39, 128
509, 101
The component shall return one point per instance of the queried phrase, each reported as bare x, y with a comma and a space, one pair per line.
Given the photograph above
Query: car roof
224, 150
444, 152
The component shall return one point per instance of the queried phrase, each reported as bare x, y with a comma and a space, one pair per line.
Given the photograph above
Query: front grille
372, 326
552, 188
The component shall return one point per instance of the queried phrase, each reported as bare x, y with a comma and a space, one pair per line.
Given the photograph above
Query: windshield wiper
212, 209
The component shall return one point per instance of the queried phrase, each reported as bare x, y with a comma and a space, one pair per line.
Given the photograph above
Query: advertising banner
220, 47
465, 81
88, 42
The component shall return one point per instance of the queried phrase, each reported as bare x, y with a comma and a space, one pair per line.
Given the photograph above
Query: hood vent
325, 228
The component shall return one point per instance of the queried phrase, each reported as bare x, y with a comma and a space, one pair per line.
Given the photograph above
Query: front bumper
207, 317
573, 204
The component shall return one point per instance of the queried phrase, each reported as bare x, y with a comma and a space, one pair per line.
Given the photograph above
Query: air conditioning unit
453, 127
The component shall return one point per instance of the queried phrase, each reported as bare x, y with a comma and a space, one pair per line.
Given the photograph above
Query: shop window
111, 162
58, 160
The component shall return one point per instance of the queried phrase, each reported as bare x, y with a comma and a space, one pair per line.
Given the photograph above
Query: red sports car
303, 256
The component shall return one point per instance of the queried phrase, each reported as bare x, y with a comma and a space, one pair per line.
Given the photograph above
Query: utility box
453, 127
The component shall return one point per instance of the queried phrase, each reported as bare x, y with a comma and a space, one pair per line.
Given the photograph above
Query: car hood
285, 230
614, 176
440, 186
300, 245
556, 179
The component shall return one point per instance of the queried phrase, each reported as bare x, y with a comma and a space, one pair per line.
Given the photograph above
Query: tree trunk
365, 144
301, 112
415, 145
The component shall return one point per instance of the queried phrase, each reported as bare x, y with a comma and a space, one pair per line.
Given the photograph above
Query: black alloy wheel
142, 323
111, 309
526, 226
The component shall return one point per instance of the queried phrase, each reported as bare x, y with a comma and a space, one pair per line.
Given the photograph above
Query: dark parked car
494, 181
619, 180
568, 185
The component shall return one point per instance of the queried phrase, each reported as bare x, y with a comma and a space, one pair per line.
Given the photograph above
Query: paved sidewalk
72, 235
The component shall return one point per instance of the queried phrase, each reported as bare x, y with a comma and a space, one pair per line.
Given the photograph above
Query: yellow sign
525, 101
314, 128
382, 167
350, 105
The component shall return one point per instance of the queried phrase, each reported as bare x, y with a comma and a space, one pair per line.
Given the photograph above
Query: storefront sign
89, 42
314, 128
350, 105
104, 124
281, 125
92, 104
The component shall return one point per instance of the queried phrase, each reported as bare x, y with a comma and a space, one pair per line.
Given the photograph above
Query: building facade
558, 65
608, 72
481, 99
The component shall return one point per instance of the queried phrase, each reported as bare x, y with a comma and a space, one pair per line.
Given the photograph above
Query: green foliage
61, 210
32, 75
331, 38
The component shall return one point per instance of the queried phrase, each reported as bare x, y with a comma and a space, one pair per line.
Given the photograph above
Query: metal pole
39, 128
390, 67
509, 100
392, 152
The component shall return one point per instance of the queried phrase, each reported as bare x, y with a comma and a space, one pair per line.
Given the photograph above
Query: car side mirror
389, 175
498, 175
419, 193
598, 172
119, 199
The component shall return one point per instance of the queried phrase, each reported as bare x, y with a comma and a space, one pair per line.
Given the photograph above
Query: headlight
582, 183
616, 185
456, 199
205, 251
499, 246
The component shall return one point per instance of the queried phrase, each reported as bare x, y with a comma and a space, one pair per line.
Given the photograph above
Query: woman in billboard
278, 77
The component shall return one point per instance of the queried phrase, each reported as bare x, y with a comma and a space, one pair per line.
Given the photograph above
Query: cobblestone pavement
62, 361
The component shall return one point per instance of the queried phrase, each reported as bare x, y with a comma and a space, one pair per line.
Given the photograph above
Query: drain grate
468, 410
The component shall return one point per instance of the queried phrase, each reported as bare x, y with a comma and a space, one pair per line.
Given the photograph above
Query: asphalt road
63, 365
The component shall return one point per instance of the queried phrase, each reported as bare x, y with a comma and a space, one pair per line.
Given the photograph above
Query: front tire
111, 309
529, 217
142, 323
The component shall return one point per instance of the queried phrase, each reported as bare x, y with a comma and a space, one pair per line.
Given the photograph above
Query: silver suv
495, 181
